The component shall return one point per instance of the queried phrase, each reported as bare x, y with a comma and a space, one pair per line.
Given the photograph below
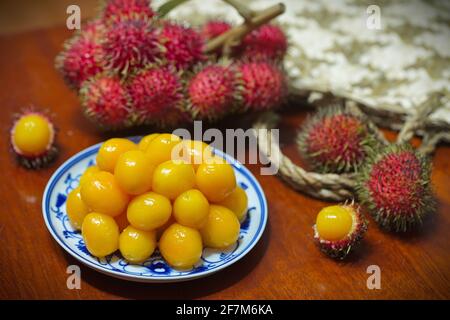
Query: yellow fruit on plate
100, 234
160, 148
136, 245
101, 193
171, 178
163, 228
221, 229
191, 209
181, 246
111, 150
88, 173
145, 141
76, 208
149, 211
215, 179
334, 223
193, 152
237, 202
32, 135
134, 172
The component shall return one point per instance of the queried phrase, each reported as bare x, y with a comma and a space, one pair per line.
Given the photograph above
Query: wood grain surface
285, 264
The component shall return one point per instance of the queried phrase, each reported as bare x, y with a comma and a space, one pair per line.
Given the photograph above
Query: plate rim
61, 170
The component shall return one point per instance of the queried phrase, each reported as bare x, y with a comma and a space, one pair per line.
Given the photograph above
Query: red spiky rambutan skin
117, 10
155, 91
340, 249
35, 161
335, 140
268, 42
129, 44
213, 91
106, 102
264, 85
78, 62
183, 45
395, 187
214, 28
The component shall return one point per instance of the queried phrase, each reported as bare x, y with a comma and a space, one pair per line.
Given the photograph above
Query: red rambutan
264, 85
395, 187
213, 91
184, 45
130, 44
154, 92
266, 42
116, 10
77, 62
335, 140
105, 101
214, 28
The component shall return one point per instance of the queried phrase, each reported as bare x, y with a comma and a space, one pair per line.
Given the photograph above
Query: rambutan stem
242, 9
233, 36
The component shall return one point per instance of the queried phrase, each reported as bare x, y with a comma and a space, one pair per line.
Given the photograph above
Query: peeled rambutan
395, 187
266, 42
264, 85
116, 10
184, 45
214, 28
129, 44
106, 102
154, 91
77, 62
33, 139
213, 91
339, 229
335, 140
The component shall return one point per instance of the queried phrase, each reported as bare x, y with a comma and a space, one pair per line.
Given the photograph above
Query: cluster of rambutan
393, 181
131, 67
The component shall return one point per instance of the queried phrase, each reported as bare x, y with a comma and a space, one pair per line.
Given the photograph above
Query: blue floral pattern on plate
154, 269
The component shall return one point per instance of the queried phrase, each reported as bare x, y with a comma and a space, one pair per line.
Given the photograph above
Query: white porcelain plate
155, 269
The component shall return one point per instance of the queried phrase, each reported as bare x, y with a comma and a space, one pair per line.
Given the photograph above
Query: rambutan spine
395, 187
335, 140
154, 91
213, 91
264, 85
106, 102
267, 42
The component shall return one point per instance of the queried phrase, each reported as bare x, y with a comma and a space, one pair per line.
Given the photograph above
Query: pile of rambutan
392, 181
131, 66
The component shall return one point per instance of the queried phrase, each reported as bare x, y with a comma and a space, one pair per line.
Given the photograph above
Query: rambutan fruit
264, 85
106, 102
395, 187
266, 42
213, 91
184, 45
335, 140
339, 229
77, 62
116, 10
214, 28
129, 44
33, 140
155, 91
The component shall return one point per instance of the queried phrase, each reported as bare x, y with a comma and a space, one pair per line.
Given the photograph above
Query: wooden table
285, 264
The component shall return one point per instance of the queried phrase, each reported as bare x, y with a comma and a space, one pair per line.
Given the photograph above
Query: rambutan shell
395, 187
106, 102
116, 10
266, 42
183, 45
154, 91
213, 92
264, 85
